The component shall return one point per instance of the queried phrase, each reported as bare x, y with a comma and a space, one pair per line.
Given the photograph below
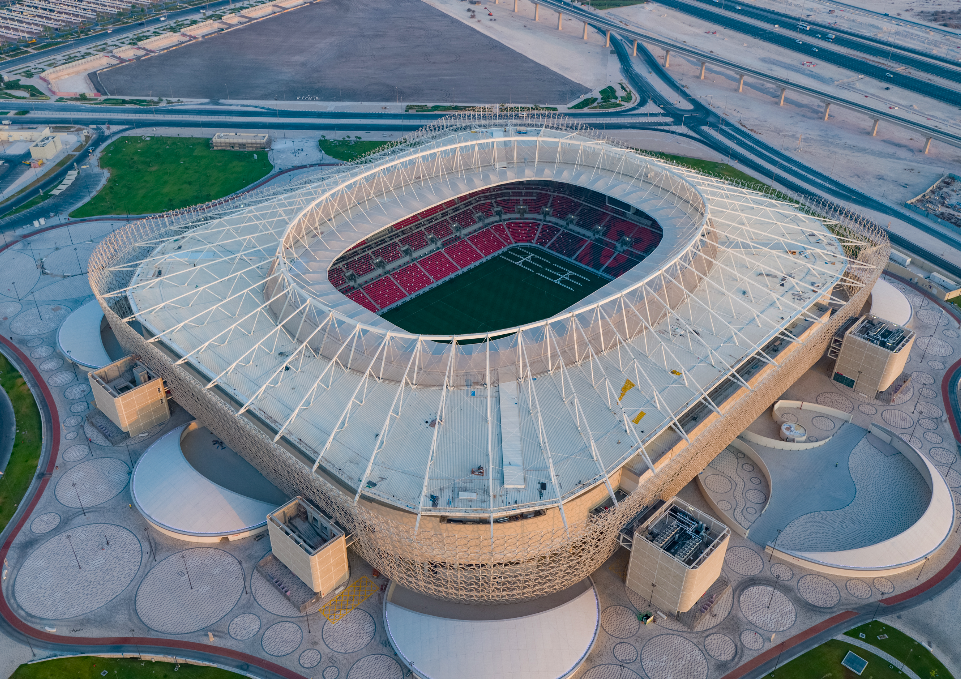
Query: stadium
485, 350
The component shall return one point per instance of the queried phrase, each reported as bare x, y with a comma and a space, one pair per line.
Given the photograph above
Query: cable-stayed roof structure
495, 465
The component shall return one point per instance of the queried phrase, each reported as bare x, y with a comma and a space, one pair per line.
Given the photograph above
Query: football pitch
518, 286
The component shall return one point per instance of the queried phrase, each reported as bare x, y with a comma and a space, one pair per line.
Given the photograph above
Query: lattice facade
491, 562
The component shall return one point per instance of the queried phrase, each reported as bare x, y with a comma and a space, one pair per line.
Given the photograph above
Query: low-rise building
130, 395
239, 141
46, 147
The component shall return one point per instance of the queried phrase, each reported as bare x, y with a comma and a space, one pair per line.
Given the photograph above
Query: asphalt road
790, 40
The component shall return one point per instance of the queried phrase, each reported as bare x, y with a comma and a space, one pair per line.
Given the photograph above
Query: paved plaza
88, 564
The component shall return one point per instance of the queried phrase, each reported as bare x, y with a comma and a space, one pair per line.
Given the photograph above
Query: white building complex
496, 465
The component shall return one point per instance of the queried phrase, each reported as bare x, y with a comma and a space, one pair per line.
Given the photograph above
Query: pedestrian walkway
878, 652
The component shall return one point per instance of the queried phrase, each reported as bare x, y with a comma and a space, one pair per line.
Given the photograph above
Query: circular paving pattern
898, 419
8, 309
767, 608
823, 423
928, 423
756, 480
953, 479
748, 467
70, 435
282, 638
351, 633
750, 511
35, 342
51, 585
936, 365
76, 391
782, 572
858, 589
883, 585
724, 505
942, 455
921, 377
41, 352
818, 591
930, 410
60, 379
752, 640
190, 590
270, 599
867, 409
94, 435
789, 417
672, 657
716, 483
39, 320
929, 316
331, 672
376, 667
45, 523
949, 332
50, 364
933, 437
912, 441
244, 626
620, 622
72, 421
78, 407
720, 647
834, 400
93, 482
310, 658
928, 392
933, 346
905, 395
743, 560
756, 496
625, 652
74, 453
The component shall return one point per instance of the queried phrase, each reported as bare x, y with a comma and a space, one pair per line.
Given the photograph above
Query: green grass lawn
87, 667
614, 4
494, 295
25, 457
904, 648
824, 662
166, 173
349, 149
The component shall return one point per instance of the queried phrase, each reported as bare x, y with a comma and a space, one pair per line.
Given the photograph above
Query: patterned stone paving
40, 320
282, 638
897, 419
93, 435
41, 352
60, 379
782, 571
244, 626
752, 640
50, 364
624, 652
743, 560
309, 658
669, 656
189, 590
933, 437
883, 585
942, 455
933, 346
93, 482
720, 647
77, 571
45, 523
78, 407
867, 409
331, 673
619, 622
858, 589
818, 591
765, 607
610, 672
273, 601
74, 453
351, 633
76, 391
735, 486
376, 667
834, 400
73, 421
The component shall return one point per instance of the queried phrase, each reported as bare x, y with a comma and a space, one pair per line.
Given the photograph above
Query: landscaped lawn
88, 667
898, 644
349, 149
166, 173
824, 662
22, 466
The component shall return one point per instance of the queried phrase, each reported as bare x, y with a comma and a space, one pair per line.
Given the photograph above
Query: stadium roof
407, 419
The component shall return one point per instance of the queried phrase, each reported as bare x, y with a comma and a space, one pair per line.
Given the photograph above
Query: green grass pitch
518, 286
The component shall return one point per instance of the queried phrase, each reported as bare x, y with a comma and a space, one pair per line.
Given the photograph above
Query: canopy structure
382, 425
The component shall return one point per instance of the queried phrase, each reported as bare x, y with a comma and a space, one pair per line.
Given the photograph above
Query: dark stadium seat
389, 253
546, 234
416, 240
595, 255
361, 265
567, 244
